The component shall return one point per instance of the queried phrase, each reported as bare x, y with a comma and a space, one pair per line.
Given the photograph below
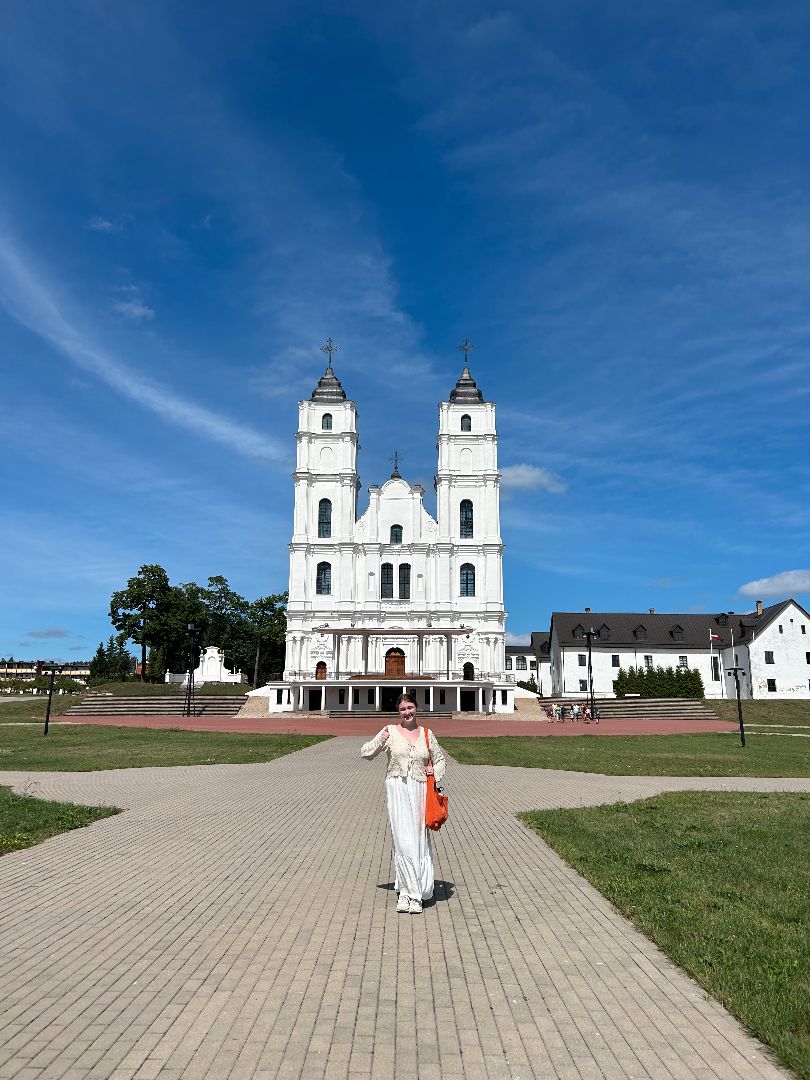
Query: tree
138, 611
98, 665
111, 662
157, 664
152, 612
269, 618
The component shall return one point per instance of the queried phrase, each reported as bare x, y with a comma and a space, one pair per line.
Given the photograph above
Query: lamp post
191, 634
590, 635
53, 670
735, 671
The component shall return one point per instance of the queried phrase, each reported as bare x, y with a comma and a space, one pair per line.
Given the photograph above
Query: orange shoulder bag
435, 803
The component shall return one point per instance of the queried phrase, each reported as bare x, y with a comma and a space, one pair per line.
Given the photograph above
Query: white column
323, 698
337, 655
458, 699
430, 691
350, 692
300, 698
419, 654
365, 654
448, 640
377, 698
480, 699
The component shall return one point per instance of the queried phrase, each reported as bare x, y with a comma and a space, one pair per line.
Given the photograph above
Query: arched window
466, 423
468, 672
396, 534
467, 580
404, 581
387, 581
323, 579
520, 663
509, 663
324, 518
465, 514
326, 422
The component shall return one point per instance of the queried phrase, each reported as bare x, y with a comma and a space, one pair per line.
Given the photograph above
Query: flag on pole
713, 637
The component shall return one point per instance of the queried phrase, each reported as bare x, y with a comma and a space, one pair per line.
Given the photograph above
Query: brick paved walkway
238, 922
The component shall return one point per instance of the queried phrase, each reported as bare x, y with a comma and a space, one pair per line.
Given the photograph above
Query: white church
394, 599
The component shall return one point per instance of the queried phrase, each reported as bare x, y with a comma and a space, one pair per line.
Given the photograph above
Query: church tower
469, 546
326, 487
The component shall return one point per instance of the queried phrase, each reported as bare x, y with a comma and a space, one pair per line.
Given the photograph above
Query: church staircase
642, 708
170, 704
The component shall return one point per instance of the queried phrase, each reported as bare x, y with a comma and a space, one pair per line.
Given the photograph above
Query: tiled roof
661, 630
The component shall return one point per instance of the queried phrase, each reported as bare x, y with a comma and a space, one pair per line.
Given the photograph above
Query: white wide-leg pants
413, 855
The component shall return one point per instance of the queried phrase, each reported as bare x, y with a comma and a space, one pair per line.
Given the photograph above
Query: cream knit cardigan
405, 759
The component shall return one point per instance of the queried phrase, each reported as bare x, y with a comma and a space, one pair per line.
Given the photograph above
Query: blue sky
614, 205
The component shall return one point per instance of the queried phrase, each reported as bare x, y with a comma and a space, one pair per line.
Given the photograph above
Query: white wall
569, 671
790, 648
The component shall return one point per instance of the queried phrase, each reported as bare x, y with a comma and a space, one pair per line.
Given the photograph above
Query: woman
405, 785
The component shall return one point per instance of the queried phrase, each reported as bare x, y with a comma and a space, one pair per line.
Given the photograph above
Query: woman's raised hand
385, 733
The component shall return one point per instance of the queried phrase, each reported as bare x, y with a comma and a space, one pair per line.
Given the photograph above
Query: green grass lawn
771, 713
146, 689
721, 881
30, 710
138, 689
25, 821
84, 747
712, 754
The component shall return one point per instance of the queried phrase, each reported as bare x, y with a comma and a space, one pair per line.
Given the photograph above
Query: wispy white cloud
102, 225
787, 583
50, 632
133, 309
531, 477
666, 582
27, 298
518, 639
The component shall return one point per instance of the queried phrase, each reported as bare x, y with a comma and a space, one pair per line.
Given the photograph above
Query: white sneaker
404, 903
415, 907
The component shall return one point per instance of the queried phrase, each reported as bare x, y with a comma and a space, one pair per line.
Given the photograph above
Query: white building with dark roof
394, 599
770, 645
527, 662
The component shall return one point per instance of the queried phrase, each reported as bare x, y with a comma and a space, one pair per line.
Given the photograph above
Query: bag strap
427, 743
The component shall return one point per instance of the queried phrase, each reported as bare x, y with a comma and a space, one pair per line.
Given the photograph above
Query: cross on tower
396, 457
465, 347
329, 348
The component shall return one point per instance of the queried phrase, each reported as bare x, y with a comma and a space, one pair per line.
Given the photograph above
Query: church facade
394, 599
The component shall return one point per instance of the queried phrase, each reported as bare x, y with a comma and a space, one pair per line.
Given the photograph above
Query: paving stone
238, 923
